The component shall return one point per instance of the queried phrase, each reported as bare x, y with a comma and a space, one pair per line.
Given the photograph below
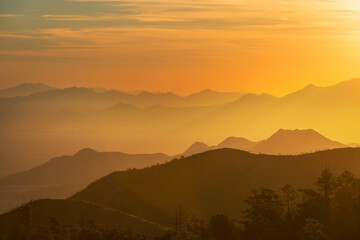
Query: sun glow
351, 5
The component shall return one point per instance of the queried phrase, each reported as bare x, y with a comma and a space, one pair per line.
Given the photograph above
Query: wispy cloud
8, 15
108, 17
159, 25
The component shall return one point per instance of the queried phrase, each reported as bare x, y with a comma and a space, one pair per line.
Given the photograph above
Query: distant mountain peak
232, 139
207, 90
289, 133
24, 89
282, 142
309, 86
85, 152
296, 141
295, 131
198, 144
195, 148
203, 92
309, 89
237, 143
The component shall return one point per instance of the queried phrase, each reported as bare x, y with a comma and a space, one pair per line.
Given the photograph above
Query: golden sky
183, 46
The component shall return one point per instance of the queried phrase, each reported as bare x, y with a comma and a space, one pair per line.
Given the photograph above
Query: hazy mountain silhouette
77, 212
203, 98
295, 142
331, 110
85, 166
283, 142
43, 119
212, 182
93, 98
195, 148
50, 119
24, 89
63, 176
209, 97
54, 122
339, 93
237, 143
69, 98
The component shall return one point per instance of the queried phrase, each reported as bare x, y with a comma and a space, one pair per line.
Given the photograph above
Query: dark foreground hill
213, 182
76, 212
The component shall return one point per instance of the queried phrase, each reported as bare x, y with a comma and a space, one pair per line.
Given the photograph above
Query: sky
183, 46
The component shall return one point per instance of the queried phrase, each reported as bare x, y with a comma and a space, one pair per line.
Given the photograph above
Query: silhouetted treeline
330, 211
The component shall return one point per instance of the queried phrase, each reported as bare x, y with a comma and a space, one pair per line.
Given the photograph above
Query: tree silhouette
264, 215
289, 195
326, 183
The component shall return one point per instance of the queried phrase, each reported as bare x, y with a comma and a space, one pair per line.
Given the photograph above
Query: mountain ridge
108, 161
204, 183
282, 142
62, 176
24, 89
154, 129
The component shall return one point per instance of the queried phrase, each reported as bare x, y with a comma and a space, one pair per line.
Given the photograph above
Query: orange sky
183, 46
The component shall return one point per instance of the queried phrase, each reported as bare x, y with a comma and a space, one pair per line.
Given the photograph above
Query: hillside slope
213, 182
85, 166
63, 176
75, 212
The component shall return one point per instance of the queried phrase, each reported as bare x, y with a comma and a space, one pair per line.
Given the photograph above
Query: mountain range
97, 97
61, 121
208, 183
84, 167
79, 117
63, 176
213, 182
283, 142
332, 110
25, 89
